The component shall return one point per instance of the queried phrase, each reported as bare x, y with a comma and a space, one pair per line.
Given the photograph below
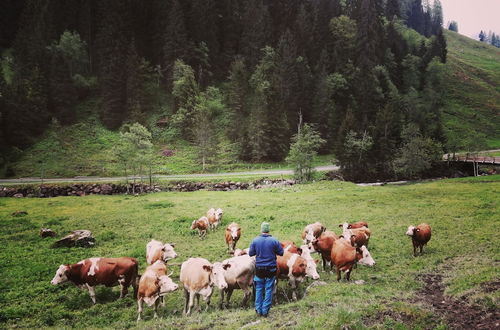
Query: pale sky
472, 16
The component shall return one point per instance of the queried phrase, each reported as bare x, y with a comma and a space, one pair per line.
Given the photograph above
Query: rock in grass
78, 238
47, 232
19, 213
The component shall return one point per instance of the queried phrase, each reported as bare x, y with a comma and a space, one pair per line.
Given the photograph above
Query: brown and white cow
420, 235
238, 276
345, 256
198, 276
354, 225
292, 267
290, 247
361, 235
214, 217
154, 283
323, 245
156, 250
233, 234
312, 231
312, 264
100, 271
202, 225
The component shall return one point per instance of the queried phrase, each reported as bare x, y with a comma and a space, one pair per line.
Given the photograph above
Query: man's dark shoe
264, 315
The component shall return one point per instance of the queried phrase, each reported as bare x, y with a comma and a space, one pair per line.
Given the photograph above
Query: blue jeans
263, 294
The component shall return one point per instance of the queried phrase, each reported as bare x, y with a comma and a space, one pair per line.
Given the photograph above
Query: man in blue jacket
265, 248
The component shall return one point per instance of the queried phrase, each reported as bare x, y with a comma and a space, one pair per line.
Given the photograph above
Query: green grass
462, 213
471, 113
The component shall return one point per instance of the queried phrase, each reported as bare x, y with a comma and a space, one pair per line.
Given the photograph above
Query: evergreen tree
415, 16
237, 94
453, 26
437, 16
111, 45
255, 34
305, 145
185, 90
482, 36
176, 44
392, 8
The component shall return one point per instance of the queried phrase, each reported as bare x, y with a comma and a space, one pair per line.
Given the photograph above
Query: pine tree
453, 26
176, 44
415, 16
392, 8
111, 44
184, 90
237, 95
437, 16
255, 34
370, 38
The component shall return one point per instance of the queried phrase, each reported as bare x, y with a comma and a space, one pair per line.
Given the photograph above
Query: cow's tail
135, 279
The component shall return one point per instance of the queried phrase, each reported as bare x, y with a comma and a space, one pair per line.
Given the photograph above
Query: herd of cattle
198, 276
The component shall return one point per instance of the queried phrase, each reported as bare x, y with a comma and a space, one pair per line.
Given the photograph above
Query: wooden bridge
468, 158
474, 159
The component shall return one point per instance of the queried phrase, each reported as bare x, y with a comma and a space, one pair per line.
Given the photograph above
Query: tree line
232, 75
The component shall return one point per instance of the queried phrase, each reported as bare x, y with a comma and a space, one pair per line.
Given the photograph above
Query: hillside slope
472, 111
471, 120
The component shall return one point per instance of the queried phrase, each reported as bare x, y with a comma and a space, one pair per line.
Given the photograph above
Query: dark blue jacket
265, 248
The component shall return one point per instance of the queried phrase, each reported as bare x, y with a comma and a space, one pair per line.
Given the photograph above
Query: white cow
214, 217
311, 268
238, 276
156, 250
198, 276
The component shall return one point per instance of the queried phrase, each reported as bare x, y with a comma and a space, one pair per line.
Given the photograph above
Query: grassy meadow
463, 213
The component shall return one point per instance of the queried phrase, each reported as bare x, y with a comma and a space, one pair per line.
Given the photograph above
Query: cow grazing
361, 236
293, 267
198, 276
238, 276
354, 225
290, 247
100, 271
154, 283
233, 233
202, 225
312, 231
345, 256
156, 250
214, 217
420, 235
323, 245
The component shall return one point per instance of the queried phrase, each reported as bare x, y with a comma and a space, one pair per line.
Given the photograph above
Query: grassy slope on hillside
86, 149
465, 256
472, 109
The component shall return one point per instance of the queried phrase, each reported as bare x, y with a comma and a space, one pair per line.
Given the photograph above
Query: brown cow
362, 234
312, 231
202, 225
233, 234
154, 283
323, 245
291, 266
290, 247
100, 271
420, 235
354, 225
345, 256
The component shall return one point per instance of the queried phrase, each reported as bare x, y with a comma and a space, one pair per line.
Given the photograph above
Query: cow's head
309, 236
61, 275
235, 232
168, 251
311, 270
239, 252
218, 269
218, 214
313, 246
365, 256
166, 284
194, 224
411, 230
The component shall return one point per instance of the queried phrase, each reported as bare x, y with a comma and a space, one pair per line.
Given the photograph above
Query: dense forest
233, 74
